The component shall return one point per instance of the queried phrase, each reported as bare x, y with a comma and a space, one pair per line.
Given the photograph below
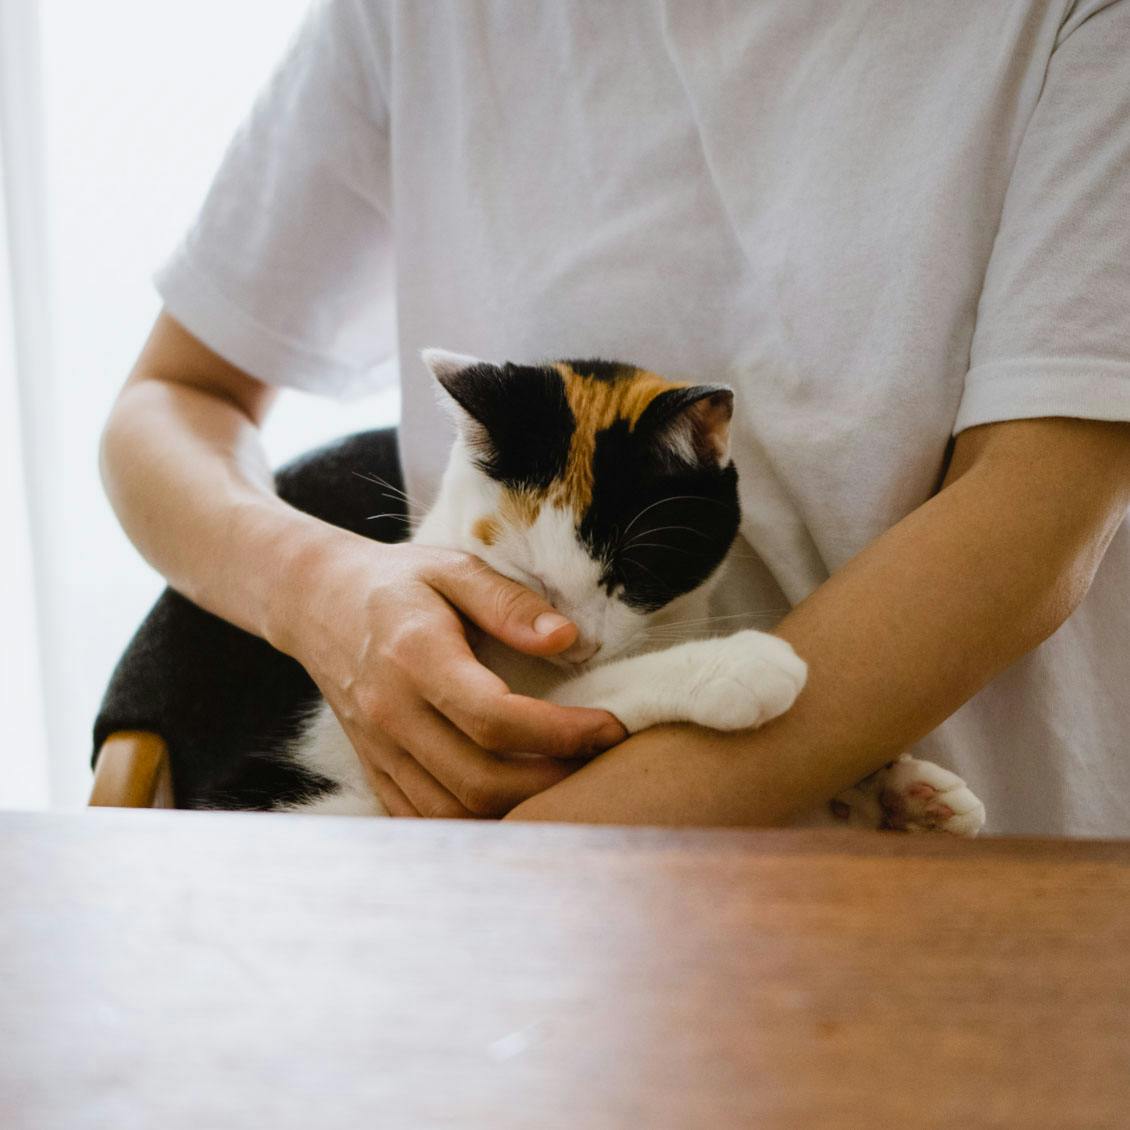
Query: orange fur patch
486, 530
519, 507
597, 405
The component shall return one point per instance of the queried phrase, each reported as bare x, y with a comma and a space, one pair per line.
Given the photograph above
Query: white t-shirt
882, 222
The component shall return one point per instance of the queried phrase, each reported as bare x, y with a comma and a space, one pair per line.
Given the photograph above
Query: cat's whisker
399, 517
376, 480
695, 620
706, 621
760, 613
682, 637
660, 545
715, 633
650, 572
663, 502
663, 529
380, 480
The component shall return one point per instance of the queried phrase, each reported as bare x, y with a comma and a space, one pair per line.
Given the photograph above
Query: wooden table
167, 970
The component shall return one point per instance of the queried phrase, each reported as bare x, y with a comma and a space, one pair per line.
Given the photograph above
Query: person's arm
897, 640
377, 626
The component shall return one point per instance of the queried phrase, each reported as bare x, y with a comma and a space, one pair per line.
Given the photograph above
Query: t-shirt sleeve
1053, 322
287, 271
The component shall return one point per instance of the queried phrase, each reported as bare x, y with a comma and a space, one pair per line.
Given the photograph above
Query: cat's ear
453, 370
514, 419
473, 385
693, 423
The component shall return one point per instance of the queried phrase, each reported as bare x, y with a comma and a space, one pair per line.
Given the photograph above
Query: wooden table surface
168, 970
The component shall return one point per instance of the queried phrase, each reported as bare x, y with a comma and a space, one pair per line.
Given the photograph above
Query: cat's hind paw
913, 796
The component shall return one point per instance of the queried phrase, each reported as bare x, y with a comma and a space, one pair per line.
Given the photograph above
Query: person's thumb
506, 610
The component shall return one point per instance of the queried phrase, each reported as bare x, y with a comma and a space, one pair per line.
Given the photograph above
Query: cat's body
611, 491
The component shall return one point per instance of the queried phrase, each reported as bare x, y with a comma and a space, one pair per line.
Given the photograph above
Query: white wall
140, 97
23, 758
24, 348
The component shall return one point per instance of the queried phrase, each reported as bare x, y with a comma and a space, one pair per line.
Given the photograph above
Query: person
898, 230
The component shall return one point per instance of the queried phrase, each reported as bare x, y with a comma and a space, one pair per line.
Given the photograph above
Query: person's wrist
300, 558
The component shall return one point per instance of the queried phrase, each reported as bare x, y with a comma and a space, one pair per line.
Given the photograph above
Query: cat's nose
580, 652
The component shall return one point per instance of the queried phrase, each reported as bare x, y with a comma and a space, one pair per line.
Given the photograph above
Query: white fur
734, 683
323, 748
730, 683
680, 439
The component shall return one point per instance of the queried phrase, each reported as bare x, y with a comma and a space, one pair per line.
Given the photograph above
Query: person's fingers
415, 787
483, 784
394, 801
503, 608
382, 785
477, 701
426, 795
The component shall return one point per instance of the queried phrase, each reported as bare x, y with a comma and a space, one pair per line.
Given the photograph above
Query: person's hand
378, 628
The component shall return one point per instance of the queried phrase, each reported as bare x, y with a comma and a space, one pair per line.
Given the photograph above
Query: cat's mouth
579, 656
586, 653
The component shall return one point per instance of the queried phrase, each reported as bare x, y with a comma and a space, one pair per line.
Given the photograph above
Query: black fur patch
659, 526
598, 370
526, 420
265, 783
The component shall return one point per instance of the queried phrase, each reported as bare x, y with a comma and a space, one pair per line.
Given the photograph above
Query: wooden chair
132, 771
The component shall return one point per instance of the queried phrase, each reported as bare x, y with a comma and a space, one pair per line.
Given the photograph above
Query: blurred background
113, 118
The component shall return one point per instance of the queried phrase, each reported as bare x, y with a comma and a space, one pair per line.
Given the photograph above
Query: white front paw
750, 678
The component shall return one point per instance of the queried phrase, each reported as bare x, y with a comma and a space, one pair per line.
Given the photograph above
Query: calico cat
610, 491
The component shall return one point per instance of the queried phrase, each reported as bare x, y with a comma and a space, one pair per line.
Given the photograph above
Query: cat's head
604, 487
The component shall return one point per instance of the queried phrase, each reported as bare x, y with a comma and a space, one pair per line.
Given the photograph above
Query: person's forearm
895, 642
187, 477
